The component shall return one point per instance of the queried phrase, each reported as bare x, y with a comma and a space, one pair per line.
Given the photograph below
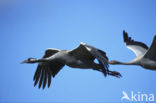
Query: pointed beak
25, 61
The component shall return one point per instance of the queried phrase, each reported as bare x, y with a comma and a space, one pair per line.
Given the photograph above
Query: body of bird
65, 57
70, 60
148, 64
81, 57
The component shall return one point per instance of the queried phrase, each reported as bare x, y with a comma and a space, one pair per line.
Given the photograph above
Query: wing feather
49, 77
41, 79
138, 48
45, 78
39, 69
46, 70
88, 52
82, 52
56, 67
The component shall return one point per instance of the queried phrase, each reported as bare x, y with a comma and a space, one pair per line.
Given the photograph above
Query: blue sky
27, 28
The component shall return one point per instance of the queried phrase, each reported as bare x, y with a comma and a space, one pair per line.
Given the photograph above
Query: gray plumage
81, 57
145, 57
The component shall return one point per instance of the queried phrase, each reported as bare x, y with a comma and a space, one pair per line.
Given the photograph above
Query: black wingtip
105, 73
45, 78
125, 36
49, 77
34, 84
41, 79
154, 36
123, 31
43, 87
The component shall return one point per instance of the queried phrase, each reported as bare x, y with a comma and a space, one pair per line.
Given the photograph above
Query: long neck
37, 60
41, 60
122, 63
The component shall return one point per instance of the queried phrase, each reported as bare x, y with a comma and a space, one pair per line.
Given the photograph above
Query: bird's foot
114, 73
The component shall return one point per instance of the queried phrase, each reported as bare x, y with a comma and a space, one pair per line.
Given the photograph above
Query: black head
29, 60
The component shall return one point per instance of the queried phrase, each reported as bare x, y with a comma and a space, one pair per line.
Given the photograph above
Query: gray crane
81, 57
145, 57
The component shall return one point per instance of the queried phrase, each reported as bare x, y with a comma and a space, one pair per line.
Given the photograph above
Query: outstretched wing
44, 71
49, 52
88, 52
151, 53
138, 48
